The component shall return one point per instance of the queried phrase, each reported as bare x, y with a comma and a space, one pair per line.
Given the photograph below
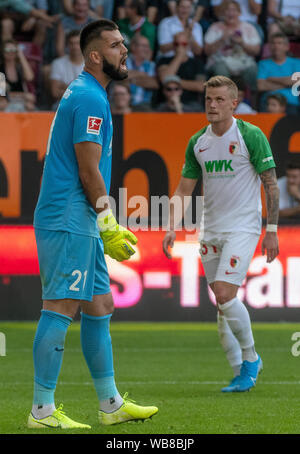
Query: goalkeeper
68, 225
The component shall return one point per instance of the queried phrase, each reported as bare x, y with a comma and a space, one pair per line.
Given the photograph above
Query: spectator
276, 103
181, 22
13, 14
204, 14
289, 187
242, 107
231, 46
65, 69
15, 67
141, 71
171, 7
172, 90
194, 11
135, 21
189, 69
274, 74
18, 102
120, 10
26, 103
35, 28
250, 9
76, 21
121, 99
103, 8
154, 10
250, 12
286, 17
98, 8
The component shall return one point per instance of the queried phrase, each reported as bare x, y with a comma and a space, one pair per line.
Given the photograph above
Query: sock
97, 350
239, 322
48, 347
229, 344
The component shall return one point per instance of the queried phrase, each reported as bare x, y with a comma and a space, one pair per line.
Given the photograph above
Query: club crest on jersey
94, 125
234, 261
233, 147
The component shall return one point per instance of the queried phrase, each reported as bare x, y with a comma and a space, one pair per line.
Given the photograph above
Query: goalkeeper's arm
88, 157
115, 237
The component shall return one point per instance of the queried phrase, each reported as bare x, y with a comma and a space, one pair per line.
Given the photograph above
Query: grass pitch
178, 367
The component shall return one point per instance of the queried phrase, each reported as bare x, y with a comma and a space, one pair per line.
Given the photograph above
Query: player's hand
270, 244
115, 237
168, 241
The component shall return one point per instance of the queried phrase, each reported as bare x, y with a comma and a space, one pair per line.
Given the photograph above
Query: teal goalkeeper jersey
83, 115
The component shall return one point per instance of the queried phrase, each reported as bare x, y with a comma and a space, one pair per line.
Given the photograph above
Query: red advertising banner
274, 285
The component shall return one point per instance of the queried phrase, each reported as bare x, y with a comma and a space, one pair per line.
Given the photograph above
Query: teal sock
48, 348
97, 350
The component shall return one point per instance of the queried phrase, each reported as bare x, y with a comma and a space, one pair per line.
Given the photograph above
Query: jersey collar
90, 76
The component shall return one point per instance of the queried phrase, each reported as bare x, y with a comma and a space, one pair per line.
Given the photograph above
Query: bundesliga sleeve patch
94, 125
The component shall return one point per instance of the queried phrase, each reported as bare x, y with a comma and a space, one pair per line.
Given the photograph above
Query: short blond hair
222, 81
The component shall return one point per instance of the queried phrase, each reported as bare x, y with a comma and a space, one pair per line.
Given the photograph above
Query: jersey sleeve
191, 168
261, 156
88, 120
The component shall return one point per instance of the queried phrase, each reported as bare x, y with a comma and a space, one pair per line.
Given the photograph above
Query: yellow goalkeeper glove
114, 237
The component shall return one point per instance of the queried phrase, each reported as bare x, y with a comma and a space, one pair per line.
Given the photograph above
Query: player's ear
95, 57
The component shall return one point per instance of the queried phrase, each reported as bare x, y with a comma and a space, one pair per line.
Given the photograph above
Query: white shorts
227, 256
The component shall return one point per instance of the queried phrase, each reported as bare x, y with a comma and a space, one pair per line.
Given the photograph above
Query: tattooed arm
270, 241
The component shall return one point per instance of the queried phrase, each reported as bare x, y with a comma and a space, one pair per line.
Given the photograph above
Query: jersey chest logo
94, 125
233, 147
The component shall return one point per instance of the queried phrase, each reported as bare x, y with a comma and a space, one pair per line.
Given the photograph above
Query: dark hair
291, 165
279, 97
94, 30
74, 1
179, 1
279, 35
72, 34
139, 6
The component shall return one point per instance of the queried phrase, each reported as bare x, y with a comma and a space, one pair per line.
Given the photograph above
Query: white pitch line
151, 349
151, 383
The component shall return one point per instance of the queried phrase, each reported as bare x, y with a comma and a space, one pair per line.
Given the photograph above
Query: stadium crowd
174, 47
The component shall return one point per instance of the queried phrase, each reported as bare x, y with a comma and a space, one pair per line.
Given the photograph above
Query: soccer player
233, 157
72, 210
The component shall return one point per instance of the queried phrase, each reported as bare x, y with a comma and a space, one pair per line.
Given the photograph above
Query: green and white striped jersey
230, 166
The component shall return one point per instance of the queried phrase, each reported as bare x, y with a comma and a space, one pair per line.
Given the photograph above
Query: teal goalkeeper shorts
71, 266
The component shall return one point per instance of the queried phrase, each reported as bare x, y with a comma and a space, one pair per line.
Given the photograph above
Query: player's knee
222, 293
100, 306
108, 306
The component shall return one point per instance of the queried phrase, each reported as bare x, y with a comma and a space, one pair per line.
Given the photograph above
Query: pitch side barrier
148, 154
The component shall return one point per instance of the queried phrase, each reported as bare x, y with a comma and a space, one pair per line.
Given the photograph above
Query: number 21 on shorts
77, 282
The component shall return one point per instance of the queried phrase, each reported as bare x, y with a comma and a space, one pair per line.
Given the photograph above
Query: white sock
112, 404
239, 322
42, 411
229, 344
